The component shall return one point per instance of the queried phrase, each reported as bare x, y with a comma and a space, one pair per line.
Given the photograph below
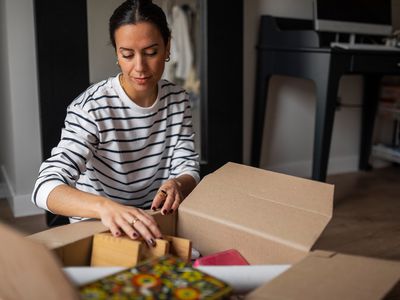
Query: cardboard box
29, 270
269, 218
330, 276
73, 243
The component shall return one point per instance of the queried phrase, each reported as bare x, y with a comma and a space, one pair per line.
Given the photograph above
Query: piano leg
369, 108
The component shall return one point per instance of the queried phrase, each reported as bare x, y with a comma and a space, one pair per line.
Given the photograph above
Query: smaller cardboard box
269, 218
73, 243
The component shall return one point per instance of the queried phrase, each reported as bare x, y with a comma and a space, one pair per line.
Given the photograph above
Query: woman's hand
168, 197
134, 222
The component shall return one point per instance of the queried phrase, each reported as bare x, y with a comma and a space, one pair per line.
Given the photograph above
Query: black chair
53, 220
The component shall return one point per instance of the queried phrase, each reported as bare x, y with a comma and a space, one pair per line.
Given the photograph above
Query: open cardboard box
269, 218
73, 243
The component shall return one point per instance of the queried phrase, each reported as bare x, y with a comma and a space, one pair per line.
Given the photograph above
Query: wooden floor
26, 225
366, 216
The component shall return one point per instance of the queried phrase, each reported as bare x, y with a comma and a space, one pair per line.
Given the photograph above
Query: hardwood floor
366, 216
26, 225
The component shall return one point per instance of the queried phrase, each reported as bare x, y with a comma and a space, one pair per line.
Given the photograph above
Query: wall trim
8, 190
21, 205
343, 164
298, 168
336, 165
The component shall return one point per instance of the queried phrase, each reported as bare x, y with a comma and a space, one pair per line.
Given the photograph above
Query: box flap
29, 270
58, 237
284, 209
63, 235
328, 275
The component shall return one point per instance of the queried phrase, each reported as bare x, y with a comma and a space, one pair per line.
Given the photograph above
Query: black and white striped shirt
112, 147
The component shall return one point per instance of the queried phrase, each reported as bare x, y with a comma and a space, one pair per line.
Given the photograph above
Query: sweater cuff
44, 191
195, 175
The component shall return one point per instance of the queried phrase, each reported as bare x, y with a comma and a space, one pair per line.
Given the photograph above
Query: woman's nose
140, 63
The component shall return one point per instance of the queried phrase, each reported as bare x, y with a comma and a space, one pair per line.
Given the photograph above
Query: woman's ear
168, 49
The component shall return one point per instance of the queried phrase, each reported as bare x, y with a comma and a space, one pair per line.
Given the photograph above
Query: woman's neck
145, 99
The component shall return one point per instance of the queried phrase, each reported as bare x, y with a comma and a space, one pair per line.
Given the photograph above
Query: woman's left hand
168, 197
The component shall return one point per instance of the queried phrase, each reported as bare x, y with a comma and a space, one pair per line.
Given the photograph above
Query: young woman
128, 142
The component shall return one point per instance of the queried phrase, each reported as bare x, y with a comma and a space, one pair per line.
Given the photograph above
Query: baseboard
303, 169
7, 191
343, 164
298, 168
21, 205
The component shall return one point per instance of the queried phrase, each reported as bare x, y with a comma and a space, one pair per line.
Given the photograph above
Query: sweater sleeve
185, 159
79, 140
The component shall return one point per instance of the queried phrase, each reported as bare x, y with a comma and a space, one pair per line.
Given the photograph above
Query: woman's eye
127, 56
151, 53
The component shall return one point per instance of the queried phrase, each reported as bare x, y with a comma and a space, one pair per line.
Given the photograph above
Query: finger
144, 231
128, 228
137, 213
114, 229
145, 225
168, 203
159, 198
151, 224
147, 216
177, 202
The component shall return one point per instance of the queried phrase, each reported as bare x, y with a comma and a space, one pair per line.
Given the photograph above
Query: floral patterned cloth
167, 277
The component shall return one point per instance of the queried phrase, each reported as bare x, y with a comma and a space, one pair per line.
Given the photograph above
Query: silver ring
134, 221
163, 192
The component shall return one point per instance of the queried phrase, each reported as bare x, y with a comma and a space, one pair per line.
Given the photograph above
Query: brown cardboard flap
167, 223
322, 275
63, 235
284, 209
29, 270
209, 236
287, 190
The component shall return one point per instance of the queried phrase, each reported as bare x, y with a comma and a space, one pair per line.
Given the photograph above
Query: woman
128, 142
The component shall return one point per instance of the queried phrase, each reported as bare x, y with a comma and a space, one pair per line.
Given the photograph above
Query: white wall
289, 131
102, 58
5, 103
20, 150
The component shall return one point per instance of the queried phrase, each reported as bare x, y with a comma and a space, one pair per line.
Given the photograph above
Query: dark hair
135, 11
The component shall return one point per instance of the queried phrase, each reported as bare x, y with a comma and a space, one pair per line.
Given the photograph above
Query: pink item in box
229, 257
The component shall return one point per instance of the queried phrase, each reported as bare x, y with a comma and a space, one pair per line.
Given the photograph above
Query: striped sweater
112, 147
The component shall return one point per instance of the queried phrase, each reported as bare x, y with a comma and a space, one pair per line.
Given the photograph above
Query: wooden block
115, 251
180, 247
161, 249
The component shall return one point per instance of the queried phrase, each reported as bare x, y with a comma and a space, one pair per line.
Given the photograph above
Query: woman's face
141, 55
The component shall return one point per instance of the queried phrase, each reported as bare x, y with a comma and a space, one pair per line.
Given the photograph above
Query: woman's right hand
132, 221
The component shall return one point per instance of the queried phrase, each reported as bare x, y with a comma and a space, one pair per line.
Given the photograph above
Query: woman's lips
141, 80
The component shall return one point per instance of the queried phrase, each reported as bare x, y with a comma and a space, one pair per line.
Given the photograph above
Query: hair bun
140, 2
